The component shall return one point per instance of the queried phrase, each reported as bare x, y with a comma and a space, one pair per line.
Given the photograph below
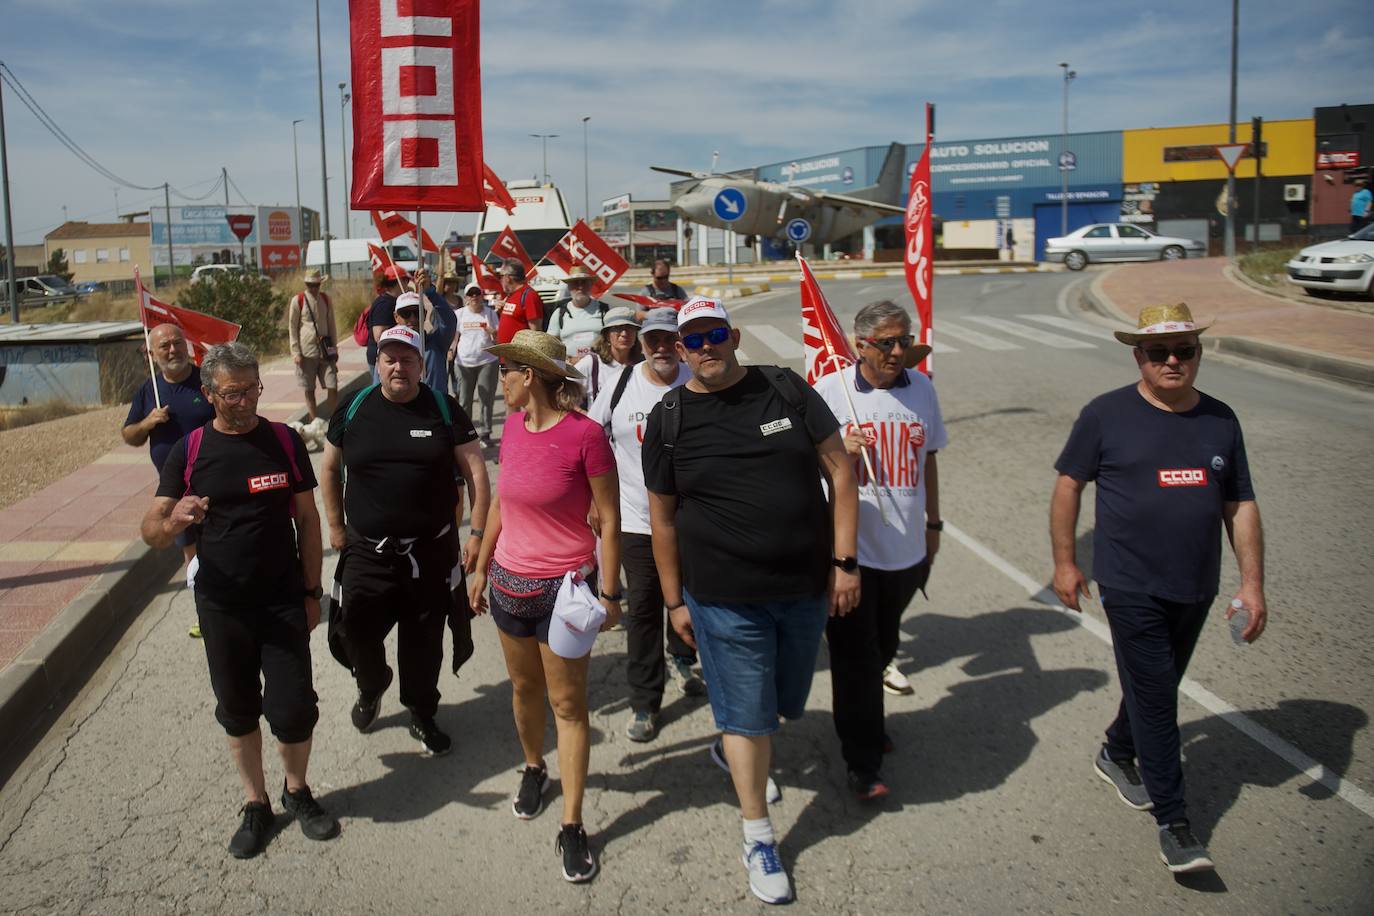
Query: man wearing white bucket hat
1170, 467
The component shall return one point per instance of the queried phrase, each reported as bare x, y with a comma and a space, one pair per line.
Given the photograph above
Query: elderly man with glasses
1170, 467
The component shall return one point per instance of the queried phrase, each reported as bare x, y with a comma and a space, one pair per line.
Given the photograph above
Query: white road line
1057, 341
784, 345
1314, 770
944, 348
976, 338
1068, 324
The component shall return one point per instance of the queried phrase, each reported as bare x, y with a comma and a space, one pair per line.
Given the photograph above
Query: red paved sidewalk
1238, 311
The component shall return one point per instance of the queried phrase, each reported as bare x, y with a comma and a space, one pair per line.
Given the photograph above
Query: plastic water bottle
1239, 621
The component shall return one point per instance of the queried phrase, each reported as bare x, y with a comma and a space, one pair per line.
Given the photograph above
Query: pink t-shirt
545, 495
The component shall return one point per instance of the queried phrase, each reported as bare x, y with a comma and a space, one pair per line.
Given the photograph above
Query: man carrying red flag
522, 308
201, 331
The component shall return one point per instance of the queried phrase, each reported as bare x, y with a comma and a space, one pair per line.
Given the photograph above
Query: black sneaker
1181, 851
529, 799
251, 836
433, 742
316, 823
1124, 776
369, 704
867, 787
578, 862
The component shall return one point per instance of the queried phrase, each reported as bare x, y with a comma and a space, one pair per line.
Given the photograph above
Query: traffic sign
1230, 154
798, 230
241, 224
1068, 162
730, 204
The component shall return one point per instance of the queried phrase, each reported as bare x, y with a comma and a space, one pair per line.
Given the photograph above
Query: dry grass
1266, 267
28, 415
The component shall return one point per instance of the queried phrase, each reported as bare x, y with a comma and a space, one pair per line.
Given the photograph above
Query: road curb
731, 292
1358, 372
872, 274
1238, 277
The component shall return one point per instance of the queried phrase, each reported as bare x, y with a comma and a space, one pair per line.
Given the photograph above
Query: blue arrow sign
730, 204
798, 230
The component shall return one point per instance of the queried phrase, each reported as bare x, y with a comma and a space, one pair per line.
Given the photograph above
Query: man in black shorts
395, 526
1170, 467
243, 479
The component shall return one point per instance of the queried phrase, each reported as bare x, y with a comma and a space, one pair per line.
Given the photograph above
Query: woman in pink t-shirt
554, 464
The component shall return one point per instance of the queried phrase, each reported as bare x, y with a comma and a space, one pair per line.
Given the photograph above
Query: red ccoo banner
417, 110
583, 246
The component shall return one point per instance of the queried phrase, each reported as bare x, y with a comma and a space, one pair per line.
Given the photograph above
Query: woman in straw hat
555, 463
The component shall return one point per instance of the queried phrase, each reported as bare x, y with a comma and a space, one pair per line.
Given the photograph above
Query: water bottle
1239, 621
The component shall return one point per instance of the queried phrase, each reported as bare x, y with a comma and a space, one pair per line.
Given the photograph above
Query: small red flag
485, 278
827, 348
583, 246
649, 302
920, 242
494, 190
201, 331
391, 225
379, 256
507, 246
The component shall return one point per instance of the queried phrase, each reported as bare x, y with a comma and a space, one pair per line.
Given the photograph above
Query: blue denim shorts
758, 659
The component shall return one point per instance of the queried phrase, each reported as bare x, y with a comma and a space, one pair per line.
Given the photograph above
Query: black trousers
862, 643
1153, 640
646, 669
381, 591
259, 660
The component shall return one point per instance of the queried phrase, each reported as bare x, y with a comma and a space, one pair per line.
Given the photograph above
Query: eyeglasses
512, 368
715, 337
1160, 354
887, 343
237, 396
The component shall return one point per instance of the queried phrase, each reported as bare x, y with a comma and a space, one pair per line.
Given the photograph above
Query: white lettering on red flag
507, 246
391, 225
417, 105
827, 348
201, 331
378, 257
920, 244
583, 246
485, 278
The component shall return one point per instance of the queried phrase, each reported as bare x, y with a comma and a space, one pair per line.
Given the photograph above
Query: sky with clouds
171, 90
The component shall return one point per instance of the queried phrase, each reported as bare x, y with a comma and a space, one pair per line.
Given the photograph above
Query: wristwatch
618, 596
317, 592
848, 564
935, 526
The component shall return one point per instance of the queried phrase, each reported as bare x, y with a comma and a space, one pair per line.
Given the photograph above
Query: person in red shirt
522, 308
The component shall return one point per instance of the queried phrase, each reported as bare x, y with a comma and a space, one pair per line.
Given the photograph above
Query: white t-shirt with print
907, 422
605, 374
627, 437
476, 332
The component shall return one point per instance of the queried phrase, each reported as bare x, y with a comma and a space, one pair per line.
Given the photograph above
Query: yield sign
1230, 154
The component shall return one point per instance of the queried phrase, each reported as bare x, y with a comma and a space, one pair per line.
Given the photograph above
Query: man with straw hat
314, 343
1170, 467
577, 320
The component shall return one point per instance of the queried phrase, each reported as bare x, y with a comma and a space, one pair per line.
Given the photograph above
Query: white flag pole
147, 341
863, 450
420, 247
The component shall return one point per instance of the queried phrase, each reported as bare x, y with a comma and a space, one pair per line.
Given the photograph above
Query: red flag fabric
426, 242
379, 257
507, 246
202, 331
827, 347
417, 105
494, 190
920, 244
485, 278
649, 302
391, 225
583, 246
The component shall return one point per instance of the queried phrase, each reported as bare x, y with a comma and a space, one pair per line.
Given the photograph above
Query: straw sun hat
537, 350
1162, 320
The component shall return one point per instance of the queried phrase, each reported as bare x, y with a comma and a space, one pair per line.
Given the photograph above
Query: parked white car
1345, 265
1118, 242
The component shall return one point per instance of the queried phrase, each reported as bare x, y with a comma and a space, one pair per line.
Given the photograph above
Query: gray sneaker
1124, 776
688, 681
1181, 851
767, 877
643, 726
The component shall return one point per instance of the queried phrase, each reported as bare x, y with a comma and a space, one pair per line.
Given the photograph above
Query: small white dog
313, 432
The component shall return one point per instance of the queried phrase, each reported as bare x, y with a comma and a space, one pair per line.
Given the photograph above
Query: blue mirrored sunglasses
715, 337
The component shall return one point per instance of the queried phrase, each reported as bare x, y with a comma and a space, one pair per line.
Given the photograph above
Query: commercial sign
615, 204
1138, 202
200, 226
832, 171
1338, 159
281, 257
1018, 165
279, 227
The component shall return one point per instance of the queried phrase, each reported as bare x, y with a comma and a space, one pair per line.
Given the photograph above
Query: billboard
838, 172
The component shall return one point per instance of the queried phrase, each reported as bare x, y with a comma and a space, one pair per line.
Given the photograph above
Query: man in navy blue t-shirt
1170, 467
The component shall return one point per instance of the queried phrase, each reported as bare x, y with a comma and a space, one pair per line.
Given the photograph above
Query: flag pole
420, 247
147, 341
928, 332
863, 450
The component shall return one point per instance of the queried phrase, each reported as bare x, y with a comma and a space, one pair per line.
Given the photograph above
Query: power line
213, 189
243, 197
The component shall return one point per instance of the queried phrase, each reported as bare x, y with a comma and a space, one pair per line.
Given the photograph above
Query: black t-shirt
380, 314
186, 406
247, 544
752, 520
1161, 481
401, 478
672, 292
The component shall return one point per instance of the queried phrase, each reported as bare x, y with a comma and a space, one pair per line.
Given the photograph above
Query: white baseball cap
400, 334
701, 307
577, 618
407, 301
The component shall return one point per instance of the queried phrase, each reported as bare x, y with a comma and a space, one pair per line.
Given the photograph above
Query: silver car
1118, 242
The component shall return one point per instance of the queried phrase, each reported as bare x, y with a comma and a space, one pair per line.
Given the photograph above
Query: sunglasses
1160, 354
715, 337
887, 343
504, 369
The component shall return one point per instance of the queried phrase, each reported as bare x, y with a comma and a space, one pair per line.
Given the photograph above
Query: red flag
494, 190
583, 246
920, 242
507, 246
649, 302
485, 278
827, 348
201, 331
391, 225
417, 105
379, 256
426, 242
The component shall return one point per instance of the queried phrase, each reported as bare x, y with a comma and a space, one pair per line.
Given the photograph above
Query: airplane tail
888, 190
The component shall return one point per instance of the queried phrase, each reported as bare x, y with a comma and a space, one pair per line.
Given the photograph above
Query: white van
540, 220
349, 258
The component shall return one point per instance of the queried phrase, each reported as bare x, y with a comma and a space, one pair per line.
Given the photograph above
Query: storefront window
617, 222
655, 219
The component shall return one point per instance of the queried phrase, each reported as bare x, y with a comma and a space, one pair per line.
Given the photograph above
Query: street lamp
324, 160
1063, 148
586, 183
343, 153
546, 138
296, 160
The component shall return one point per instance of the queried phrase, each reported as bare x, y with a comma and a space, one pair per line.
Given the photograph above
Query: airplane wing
683, 172
855, 202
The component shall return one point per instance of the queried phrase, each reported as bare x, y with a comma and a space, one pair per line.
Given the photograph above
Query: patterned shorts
522, 596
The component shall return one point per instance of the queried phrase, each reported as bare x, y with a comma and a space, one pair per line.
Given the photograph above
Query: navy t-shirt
185, 404
381, 314
1161, 481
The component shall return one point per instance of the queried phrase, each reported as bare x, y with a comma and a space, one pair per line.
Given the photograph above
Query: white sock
759, 830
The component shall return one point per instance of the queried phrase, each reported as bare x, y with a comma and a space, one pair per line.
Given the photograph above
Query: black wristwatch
848, 564
317, 592
935, 526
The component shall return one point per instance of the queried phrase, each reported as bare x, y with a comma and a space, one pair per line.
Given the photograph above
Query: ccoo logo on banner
417, 105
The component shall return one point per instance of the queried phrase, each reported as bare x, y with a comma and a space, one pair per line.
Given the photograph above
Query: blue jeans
758, 659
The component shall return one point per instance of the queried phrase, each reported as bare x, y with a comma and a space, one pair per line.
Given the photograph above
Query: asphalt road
127, 803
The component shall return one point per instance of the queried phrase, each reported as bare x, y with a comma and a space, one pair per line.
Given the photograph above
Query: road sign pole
1256, 130
171, 256
1231, 138
11, 284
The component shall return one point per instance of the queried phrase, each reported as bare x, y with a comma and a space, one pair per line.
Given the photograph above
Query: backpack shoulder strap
621, 384
672, 420
783, 382
283, 433
442, 402
358, 402
193, 439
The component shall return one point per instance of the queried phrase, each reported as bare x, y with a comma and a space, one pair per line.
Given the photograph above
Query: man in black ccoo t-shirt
258, 590
1170, 467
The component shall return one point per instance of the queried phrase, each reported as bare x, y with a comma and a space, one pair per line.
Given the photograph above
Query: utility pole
10, 282
586, 183
1231, 138
347, 213
171, 256
296, 161
1063, 147
1256, 133
224, 178
324, 162
546, 138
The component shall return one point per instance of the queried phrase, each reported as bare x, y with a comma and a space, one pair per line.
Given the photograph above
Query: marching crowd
752, 515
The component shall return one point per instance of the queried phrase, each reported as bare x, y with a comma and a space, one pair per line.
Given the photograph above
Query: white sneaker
895, 682
771, 792
767, 878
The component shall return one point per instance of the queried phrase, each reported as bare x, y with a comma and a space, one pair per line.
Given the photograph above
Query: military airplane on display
784, 211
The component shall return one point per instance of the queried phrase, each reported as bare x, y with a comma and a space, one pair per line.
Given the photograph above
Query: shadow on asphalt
1000, 412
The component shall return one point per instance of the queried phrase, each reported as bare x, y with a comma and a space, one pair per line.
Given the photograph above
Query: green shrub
247, 300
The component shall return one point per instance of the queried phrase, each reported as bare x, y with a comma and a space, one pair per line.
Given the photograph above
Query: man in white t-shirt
475, 368
896, 416
623, 408
578, 320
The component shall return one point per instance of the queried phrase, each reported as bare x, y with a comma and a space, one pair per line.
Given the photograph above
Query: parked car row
1104, 242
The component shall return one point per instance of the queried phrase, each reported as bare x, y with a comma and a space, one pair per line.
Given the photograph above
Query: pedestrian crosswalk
777, 343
